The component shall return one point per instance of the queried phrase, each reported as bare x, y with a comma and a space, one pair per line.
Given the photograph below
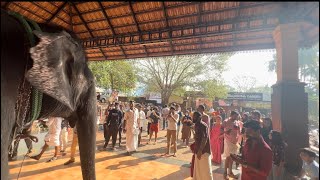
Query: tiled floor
147, 163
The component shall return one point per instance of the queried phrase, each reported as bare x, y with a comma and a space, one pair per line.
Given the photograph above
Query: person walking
149, 119
121, 108
154, 126
205, 117
202, 162
231, 134
278, 148
256, 159
74, 145
173, 118
112, 125
186, 128
178, 111
165, 112
131, 129
64, 136
216, 140
52, 138
266, 129
141, 119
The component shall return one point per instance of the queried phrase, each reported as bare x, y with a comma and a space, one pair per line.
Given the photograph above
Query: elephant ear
48, 73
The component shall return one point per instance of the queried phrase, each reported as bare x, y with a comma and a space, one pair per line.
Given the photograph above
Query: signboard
245, 96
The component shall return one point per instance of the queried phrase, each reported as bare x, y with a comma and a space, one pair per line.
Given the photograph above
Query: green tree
168, 74
308, 73
118, 75
213, 89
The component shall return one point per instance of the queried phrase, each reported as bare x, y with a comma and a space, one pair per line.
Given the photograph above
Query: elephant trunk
86, 127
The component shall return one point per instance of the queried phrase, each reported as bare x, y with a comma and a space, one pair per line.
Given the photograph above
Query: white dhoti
132, 139
230, 148
202, 168
53, 136
52, 139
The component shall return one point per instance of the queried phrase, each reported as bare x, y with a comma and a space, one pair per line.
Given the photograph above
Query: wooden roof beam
167, 24
201, 34
135, 21
214, 23
85, 24
190, 3
58, 7
199, 20
25, 9
199, 43
110, 25
57, 12
225, 49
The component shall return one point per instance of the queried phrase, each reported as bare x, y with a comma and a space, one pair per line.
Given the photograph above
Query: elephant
56, 66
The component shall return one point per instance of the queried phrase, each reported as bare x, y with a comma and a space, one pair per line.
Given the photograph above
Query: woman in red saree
216, 140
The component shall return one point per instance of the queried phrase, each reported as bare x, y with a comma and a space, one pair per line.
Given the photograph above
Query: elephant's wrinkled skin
60, 71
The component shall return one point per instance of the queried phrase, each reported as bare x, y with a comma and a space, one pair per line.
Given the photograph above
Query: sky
253, 64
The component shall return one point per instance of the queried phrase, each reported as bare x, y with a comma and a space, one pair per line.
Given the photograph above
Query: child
310, 167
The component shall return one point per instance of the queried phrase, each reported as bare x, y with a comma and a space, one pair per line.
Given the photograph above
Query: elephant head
61, 72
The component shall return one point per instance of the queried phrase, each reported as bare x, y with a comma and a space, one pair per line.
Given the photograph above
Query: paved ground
147, 163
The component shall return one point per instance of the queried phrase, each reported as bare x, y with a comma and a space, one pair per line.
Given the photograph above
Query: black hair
234, 113
198, 114
255, 125
201, 107
256, 113
276, 138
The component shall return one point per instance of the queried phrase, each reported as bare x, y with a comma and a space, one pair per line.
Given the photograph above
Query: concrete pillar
289, 102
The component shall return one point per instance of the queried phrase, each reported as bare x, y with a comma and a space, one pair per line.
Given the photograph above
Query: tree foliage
213, 88
118, 75
244, 83
308, 73
171, 73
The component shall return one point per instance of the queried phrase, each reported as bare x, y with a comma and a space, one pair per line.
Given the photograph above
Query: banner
245, 96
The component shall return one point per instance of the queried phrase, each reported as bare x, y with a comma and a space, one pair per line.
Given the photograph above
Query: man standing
113, 123
205, 117
165, 112
173, 118
202, 163
154, 127
256, 157
121, 108
256, 115
178, 111
149, 119
141, 118
131, 128
231, 134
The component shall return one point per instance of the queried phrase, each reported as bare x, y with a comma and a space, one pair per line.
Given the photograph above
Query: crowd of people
244, 138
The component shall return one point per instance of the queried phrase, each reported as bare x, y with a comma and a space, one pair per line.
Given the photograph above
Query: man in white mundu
131, 128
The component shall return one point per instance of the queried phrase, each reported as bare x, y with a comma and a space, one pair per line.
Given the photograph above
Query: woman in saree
216, 140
